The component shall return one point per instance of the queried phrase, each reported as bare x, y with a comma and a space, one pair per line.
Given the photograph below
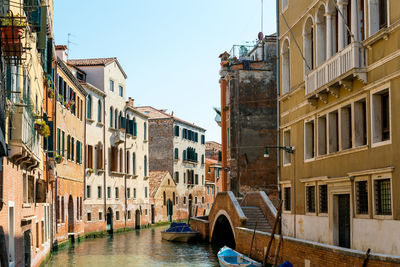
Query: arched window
111, 116
285, 67
133, 163
308, 45
321, 35
99, 111
127, 162
121, 160
89, 107
116, 119
120, 120
164, 198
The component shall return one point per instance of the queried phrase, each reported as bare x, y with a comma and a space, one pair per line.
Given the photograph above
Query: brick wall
256, 199
202, 225
161, 145
300, 252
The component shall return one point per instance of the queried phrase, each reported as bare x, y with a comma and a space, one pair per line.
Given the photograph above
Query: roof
96, 62
69, 74
156, 177
157, 114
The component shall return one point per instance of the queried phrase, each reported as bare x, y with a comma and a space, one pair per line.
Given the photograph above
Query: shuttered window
176, 130
69, 147
63, 142
72, 149
89, 107
176, 153
90, 157
58, 141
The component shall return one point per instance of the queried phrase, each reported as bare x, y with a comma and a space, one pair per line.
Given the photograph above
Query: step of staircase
255, 215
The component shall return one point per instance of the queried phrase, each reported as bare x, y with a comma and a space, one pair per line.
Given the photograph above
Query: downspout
126, 171
278, 158
104, 159
54, 198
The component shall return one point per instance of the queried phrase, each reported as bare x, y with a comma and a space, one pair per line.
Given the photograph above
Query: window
117, 215
99, 108
202, 159
145, 166
176, 130
89, 107
145, 192
195, 200
117, 193
129, 215
310, 198
286, 143
184, 200
176, 177
111, 85
323, 198
78, 152
285, 4
108, 192
322, 147
203, 139
177, 200
72, 148
62, 142
68, 147
309, 140
202, 200
164, 198
196, 179
173, 197
378, 15
285, 67
100, 216
128, 193
176, 153
134, 192
99, 192
383, 201
321, 29
346, 127
88, 191
134, 163
287, 198
361, 197
58, 141
333, 132
89, 216
121, 91
360, 123
90, 164
381, 116
127, 162
308, 45
111, 116
116, 118
208, 190
145, 131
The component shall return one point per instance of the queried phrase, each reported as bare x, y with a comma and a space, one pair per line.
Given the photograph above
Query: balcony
24, 142
118, 137
336, 71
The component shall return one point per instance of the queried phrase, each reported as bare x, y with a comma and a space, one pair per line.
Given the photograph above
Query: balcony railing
118, 136
24, 141
350, 58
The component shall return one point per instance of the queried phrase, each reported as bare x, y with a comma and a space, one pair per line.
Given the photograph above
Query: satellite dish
260, 36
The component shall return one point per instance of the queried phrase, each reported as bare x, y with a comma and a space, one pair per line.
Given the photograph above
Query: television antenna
69, 42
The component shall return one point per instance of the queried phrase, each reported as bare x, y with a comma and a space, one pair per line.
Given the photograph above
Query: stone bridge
227, 215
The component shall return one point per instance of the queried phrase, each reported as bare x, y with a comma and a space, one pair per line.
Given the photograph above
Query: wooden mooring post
278, 215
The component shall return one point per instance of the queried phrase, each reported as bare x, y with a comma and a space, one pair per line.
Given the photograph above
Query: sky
169, 49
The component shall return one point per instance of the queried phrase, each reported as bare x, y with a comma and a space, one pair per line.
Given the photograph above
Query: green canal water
137, 248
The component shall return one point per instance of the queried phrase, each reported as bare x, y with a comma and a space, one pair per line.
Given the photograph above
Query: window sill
89, 120
323, 214
26, 205
135, 176
381, 143
145, 141
146, 177
100, 124
362, 216
131, 136
114, 173
100, 171
287, 165
112, 129
383, 217
342, 152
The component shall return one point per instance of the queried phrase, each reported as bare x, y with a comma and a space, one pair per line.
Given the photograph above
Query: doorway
70, 215
170, 208
11, 232
152, 213
137, 219
344, 220
27, 248
109, 226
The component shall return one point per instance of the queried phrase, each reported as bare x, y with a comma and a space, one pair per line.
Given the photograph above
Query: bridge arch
222, 230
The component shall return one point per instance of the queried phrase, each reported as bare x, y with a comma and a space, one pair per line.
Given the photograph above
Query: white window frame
286, 39
287, 154
326, 134
284, 5
371, 106
370, 33
376, 177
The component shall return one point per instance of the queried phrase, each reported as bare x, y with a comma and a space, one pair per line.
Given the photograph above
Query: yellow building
339, 90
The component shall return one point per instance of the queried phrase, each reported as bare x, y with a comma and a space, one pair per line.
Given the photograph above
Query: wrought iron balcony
24, 141
339, 69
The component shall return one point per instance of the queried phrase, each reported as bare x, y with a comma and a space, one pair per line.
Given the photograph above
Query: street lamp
288, 149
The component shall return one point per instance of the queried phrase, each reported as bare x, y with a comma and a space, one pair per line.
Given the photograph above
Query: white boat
179, 236
227, 257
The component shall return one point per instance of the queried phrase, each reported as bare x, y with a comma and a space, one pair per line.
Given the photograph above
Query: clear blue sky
169, 49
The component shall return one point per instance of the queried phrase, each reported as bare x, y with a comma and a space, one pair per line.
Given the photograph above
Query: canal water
138, 248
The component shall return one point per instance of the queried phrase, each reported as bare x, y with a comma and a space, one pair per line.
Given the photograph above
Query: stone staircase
255, 214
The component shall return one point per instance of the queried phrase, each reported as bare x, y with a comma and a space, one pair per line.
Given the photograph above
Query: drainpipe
278, 174
104, 160
126, 171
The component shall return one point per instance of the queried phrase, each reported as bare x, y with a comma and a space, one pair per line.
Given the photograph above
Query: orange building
70, 110
213, 181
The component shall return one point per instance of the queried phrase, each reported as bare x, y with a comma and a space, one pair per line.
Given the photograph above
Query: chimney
131, 102
61, 52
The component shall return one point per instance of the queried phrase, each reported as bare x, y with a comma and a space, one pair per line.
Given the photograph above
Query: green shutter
58, 142
50, 146
135, 128
42, 36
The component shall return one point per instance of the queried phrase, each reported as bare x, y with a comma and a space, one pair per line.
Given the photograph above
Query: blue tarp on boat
179, 228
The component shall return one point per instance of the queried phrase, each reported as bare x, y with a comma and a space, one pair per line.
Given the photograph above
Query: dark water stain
138, 248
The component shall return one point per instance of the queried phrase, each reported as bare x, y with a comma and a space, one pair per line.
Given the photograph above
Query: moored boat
179, 232
228, 257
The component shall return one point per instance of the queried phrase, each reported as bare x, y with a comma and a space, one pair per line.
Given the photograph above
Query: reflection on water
138, 248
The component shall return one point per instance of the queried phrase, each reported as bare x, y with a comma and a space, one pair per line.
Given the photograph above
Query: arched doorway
190, 206
137, 219
170, 209
70, 215
109, 220
222, 233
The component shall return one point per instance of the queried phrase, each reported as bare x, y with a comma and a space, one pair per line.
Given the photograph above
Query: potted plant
58, 159
42, 128
69, 104
50, 92
90, 171
11, 32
